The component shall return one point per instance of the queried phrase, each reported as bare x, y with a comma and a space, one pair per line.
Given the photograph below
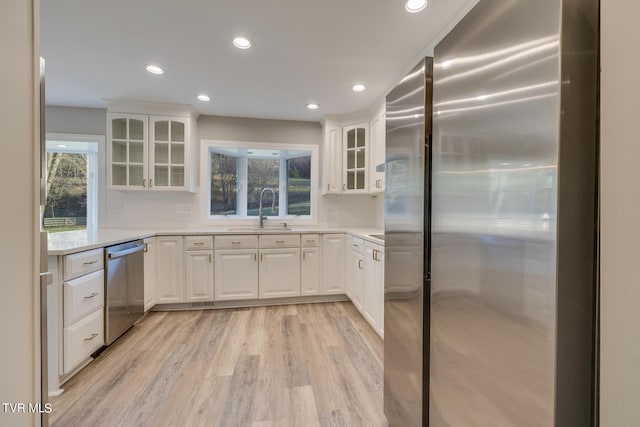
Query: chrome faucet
273, 205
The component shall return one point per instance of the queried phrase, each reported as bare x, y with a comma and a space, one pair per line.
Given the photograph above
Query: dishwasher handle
126, 252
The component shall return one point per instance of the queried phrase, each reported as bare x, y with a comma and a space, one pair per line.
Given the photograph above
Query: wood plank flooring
290, 365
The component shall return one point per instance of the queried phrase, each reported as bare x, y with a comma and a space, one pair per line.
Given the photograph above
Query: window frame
97, 173
241, 198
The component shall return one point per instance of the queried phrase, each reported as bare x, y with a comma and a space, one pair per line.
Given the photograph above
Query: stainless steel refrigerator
491, 222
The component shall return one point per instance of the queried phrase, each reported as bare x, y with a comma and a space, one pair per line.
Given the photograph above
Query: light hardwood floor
294, 365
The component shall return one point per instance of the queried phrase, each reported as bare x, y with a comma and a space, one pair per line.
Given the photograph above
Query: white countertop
68, 242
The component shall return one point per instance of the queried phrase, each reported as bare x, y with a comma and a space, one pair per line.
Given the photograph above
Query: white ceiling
303, 51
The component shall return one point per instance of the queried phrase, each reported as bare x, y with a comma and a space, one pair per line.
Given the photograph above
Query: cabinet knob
360, 264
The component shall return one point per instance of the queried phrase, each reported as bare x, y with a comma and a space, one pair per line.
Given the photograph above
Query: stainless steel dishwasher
124, 288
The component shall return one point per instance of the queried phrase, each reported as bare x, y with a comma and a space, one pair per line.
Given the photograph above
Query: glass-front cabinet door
355, 143
127, 151
169, 136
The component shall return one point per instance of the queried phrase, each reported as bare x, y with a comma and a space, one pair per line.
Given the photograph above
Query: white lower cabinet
373, 303
354, 273
82, 296
149, 272
236, 274
311, 271
83, 338
82, 308
357, 285
199, 276
279, 273
333, 264
169, 270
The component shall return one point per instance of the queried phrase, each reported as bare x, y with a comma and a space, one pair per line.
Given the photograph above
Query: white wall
88, 121
19, 215
158, 210
620, 208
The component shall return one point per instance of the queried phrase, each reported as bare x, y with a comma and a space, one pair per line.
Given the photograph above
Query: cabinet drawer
83, 296
82, 263
280, 241
82, 339
310, 240
196, 243
236, 242
356, 244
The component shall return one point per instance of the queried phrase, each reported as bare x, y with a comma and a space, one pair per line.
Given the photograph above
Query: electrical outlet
184, 208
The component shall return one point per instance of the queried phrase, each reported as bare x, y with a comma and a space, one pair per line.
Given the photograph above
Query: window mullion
243, 175
283, 209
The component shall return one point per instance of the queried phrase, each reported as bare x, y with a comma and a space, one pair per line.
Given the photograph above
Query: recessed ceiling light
414, 6
204, 98
154, 69
242, 42
312, 106
61, 146
358, 88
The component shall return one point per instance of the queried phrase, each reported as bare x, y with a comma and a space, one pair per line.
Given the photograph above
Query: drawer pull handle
311, 241
360, 264
93, 295
93, 335
235, 243
198, 243
355, 245
95, 261
280, 242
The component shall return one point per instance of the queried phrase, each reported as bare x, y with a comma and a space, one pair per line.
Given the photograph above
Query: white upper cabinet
150, 152
377, 139
351, 154
355, 161
168, 157
332, 159
128, 143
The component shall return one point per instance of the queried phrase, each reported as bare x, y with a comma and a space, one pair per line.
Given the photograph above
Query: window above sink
237, 174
